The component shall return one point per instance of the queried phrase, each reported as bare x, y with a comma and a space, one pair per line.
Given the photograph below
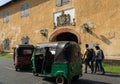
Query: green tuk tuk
61, 60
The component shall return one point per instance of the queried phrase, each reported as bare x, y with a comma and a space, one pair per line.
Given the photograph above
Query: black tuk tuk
61, 60
22, 56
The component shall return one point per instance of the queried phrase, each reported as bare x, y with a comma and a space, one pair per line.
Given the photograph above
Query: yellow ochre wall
104, 14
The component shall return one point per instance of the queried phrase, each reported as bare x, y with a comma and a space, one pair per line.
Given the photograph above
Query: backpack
89, 54
103, 57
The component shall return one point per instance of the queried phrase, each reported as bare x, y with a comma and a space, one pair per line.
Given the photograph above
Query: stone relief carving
110, 35
25, 40
74, 23
113, 35
64, 20
44, 32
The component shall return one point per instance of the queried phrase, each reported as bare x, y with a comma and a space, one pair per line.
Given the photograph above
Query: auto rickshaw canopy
64, 50
23, 49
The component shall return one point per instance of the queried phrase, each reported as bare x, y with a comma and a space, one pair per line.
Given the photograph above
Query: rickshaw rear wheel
16, 69
60, 80
34, 73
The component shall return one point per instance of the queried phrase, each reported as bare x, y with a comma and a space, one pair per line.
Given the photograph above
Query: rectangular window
65, 2
6, 17
24, 10
61, 2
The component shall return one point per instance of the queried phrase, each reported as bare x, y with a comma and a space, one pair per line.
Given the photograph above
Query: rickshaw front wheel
16, 68
60, 80
76, 77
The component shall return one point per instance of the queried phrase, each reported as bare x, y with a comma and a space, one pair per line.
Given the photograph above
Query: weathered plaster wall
103, 14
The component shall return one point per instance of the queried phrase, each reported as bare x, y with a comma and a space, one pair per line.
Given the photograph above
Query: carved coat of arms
63, 19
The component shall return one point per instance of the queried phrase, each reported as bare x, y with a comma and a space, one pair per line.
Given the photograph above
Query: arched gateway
65, 34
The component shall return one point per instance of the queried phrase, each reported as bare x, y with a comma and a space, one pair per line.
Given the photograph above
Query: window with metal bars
6, 17
61, 2
24, 10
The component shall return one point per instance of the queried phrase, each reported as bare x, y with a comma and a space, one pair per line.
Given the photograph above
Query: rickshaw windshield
39, 51
63, 51
25, 51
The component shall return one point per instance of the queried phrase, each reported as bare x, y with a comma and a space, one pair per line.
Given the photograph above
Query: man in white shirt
99, 59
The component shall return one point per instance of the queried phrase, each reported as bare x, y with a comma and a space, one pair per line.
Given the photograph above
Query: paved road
8, 75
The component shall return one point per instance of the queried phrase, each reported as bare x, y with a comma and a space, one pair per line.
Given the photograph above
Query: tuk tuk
22, 56
61, 60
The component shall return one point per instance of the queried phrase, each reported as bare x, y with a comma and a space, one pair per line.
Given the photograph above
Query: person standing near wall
87, 57
92, 60
99, 58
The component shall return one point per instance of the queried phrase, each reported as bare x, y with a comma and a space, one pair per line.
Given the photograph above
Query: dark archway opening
67, 37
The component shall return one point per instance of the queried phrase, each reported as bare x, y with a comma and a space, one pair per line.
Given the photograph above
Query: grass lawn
6, 55
112, 69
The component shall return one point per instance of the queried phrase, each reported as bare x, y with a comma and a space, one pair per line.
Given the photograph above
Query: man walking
99, 58
87, 57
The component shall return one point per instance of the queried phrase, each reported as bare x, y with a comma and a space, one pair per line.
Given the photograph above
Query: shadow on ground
80, 81
112, 75
85, 81
1, 83
25, 70
108, 74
